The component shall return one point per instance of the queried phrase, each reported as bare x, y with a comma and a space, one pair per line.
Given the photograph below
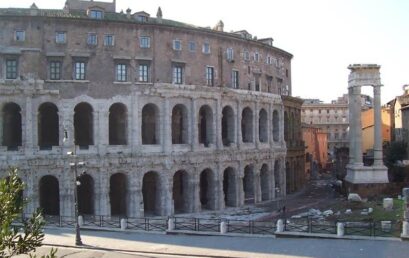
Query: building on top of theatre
169, 117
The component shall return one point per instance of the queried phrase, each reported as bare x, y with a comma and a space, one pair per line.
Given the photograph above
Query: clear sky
325, 36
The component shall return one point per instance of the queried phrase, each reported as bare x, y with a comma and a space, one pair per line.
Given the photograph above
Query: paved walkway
115, 244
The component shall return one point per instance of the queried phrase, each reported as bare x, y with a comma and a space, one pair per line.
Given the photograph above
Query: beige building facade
168, 118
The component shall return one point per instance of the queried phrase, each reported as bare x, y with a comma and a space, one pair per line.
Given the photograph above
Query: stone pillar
167, 207
166, 127
356, 115
102, 194
257, 188
194, 179
238, 126
193, 125
134, 197
239, 186
28, 133
218, 182
351, 125
377, 126
219, 143
256, 127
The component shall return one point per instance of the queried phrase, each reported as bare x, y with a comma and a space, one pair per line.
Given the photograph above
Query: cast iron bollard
340, 229
123, 224
280, 226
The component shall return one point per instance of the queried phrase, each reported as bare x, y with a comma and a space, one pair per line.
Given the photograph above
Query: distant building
316, 147
367, 118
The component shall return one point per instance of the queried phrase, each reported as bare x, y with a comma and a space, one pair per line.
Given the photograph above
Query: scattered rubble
354, 197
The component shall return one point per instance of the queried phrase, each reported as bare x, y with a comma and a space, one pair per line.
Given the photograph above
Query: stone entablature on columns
364, 75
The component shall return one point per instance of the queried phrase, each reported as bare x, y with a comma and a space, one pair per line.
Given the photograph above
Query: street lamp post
77, 183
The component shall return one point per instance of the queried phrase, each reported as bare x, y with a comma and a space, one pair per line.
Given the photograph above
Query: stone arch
48, 126
12, 130
180, 134
228, 126
205, 125
118, 194
49, 195
150, 124
230, 187
247, 125
83, 125
86, 195
276, 126
262, 126
118, 124
151, 192
265, 180
286, 126
180, 191
248, 184
277, 178
207, 189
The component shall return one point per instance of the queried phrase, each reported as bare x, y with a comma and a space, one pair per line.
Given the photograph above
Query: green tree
23, 239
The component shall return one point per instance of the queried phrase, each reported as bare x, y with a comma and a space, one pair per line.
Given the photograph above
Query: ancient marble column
377, 126
356, 115
351, 125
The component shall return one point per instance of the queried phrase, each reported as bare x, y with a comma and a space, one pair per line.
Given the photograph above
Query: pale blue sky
325, 36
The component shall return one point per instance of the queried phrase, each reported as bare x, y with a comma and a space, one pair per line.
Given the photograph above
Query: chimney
219, 26
128, 13
159, 15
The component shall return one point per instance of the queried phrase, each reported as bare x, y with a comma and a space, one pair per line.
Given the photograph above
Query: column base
366, 181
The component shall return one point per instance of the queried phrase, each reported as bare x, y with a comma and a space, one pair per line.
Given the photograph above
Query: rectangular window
11, 69
178, 74
143, 73
177, 45
20, 35
55, 70
60, 37
79, 70
109, 40
192, 46
270, 83
96, 14
209, 76
246, 55
257, 83
269, 60
256, 57
230, 54
121, 73
92, 39
145, 42
206, 48
235, 79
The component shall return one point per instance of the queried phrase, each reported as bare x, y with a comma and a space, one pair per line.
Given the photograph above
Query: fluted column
351, 125
357, 137
378, 126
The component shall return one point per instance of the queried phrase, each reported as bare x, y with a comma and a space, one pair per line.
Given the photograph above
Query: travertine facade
168, 117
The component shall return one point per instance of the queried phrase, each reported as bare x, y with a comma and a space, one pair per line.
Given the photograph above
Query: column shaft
378, 126
358, 126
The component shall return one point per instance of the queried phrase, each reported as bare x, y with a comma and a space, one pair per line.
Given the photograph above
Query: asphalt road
126, 244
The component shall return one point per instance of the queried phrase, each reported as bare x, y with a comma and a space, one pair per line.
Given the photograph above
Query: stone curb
331, 236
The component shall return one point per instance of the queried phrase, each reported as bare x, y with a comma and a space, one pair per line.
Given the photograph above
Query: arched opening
118, 124
288, 177
205, 125
83, 125
265, 183
277, 178
86, 195
207, 189
247, 125
262, 126
181, 192
12, 130
228, 128
48, 125
276, 126
151, 194
286, 126
49, 195
150, 124
179, 125
248, 184
229, 187
118, 194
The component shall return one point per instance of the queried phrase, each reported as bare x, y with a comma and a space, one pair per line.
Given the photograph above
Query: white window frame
55, 71
206, 48
230, 54
177, 73
143, 74
121, 72
81, 71
177, 45
90, 37
95, 11
144, 42
210, 76
60, 37
235, 79
21, 37
112, 41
